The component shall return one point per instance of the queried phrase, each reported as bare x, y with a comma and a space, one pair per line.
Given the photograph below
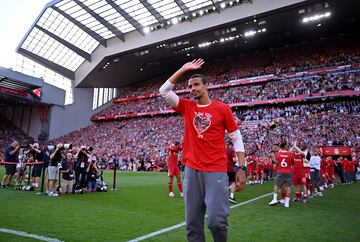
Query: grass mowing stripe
183, 223
251, 200
24, 234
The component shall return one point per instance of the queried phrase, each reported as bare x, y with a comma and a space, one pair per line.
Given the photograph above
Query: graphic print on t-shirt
202, 122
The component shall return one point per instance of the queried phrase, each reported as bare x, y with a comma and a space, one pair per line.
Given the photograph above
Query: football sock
180, 186
283, 194
232, 195
170, 186
275, 196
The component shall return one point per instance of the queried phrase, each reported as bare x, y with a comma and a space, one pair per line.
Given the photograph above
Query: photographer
11, 155
55, 158
82, 157
37, 156
92, 173
68, 174
21, 167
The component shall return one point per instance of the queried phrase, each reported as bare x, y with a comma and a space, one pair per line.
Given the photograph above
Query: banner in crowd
336, 150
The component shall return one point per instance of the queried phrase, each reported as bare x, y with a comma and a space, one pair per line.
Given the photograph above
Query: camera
65, 146
87, 150
273, 124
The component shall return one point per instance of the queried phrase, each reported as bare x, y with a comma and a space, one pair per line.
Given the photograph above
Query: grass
141, 206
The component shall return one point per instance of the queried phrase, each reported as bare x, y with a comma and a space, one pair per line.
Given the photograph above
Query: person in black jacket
82, 162
92, 174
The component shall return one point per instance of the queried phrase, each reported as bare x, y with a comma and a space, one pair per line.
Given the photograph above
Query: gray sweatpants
206, 192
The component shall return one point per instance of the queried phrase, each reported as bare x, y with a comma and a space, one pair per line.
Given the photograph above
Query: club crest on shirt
202, 122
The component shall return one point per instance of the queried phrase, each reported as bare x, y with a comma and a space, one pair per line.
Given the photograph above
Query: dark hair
282, 144
203, 78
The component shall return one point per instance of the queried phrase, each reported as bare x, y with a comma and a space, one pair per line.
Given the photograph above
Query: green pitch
141, 206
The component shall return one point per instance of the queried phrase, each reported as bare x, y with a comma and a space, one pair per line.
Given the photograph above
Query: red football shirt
345, 165
285, 159
351, 166
330, 165
298, 161
251, 162
204, 131
173, 155
230, 154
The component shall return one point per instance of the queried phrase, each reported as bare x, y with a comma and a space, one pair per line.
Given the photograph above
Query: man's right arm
14, 150
166, 89
53, 154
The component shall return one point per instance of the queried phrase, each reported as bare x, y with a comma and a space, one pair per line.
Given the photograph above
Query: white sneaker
282, 201
286, 205
171, 194
181, 194
319, 194
273, 202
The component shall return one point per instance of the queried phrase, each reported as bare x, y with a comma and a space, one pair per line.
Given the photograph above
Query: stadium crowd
270, 90
286, 60
140, 144
9, 132
141, 141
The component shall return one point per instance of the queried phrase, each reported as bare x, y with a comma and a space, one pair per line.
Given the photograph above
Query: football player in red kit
173, 168
299, 174
259, 170
231, 157
330, 171
284, 161
250, 168
323, 174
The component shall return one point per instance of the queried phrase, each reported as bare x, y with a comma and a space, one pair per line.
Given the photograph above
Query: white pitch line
162, 231
24, 234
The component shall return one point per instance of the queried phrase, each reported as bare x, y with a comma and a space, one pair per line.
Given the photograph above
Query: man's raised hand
194, 65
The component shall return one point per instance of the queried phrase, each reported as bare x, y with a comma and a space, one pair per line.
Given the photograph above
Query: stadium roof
16, 87
18, 81
112, 43
68, 31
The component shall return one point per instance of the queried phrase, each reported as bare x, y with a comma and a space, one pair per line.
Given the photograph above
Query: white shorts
67, 186
53, 173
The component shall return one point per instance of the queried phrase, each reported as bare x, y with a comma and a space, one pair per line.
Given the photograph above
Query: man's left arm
237, 140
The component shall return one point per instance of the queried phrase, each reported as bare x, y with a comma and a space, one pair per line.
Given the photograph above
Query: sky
16, 18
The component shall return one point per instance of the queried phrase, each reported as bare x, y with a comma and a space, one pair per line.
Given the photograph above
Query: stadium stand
10, 132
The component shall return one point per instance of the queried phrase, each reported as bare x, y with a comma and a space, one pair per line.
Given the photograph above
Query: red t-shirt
230, 154
250, 162
260, 164
351, 166
173, 155
204, 132
298, 161
330, 165
345, 165
285, 159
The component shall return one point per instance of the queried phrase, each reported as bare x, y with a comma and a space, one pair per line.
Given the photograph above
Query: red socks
170, 186
180, 186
